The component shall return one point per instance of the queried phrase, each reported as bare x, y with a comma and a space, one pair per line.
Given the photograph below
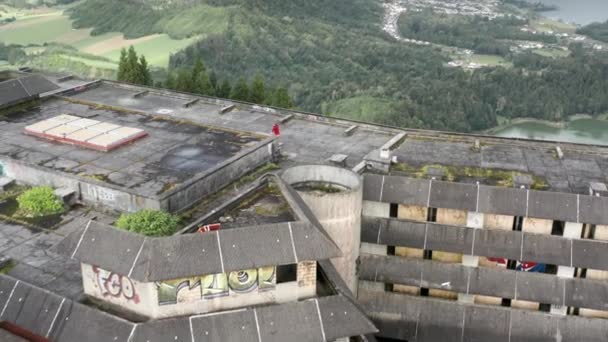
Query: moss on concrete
451, 173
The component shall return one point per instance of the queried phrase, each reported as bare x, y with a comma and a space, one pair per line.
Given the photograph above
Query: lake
583, 131
581, 12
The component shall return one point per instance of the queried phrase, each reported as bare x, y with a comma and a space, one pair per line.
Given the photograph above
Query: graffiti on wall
216, 285
2, 169
115, 285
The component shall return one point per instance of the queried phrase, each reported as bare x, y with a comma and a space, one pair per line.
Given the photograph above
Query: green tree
258, 90
281, 98
132, 72
197, 70
184, 81
224, 90
122, 65
171, 82
144, 71
214, 83
240, 92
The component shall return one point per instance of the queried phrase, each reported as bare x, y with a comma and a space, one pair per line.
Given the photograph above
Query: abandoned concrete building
331, 231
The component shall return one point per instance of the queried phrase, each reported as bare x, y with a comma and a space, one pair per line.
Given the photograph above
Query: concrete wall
213, 180
91, 191
101, 194
146, 299
339, 213
119, 290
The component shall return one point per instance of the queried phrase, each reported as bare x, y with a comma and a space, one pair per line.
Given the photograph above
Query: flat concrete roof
172, 153
304, 141
580, 165
312, 138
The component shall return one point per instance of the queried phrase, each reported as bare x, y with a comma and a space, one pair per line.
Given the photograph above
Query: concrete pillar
571, 231
601, 233
535, 226
377, 209
474, 220
493, 221
338, 212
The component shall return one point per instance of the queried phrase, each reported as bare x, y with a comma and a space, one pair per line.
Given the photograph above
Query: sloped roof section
22, 88
153, 259
62, 320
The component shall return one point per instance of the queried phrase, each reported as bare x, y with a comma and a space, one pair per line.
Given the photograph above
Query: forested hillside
334, 57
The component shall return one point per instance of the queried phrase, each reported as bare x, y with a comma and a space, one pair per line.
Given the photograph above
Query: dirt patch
115, 43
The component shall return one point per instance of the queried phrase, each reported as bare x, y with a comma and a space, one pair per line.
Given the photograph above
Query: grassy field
490, 60
57, 28
552, 53
157, 49
546, 24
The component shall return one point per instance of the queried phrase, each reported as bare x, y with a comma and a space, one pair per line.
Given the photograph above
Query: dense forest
334, 58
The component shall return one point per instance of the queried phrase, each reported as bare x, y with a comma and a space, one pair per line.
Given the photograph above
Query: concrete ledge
351, 130
67, 195
503, 283
425, 319
191, 103
286, 118
514, 245
360, 168
487, 199
141, 94
396, 140
227, 109
65, 78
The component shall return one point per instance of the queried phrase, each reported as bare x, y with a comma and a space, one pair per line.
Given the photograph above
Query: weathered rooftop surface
223, 251
496, 158
22, 88
311, 138
57, 318
173, 152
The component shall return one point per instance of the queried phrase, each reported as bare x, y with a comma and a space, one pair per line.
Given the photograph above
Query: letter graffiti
217, 285
115, 285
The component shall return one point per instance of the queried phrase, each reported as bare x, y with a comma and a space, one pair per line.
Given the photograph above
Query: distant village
485, 8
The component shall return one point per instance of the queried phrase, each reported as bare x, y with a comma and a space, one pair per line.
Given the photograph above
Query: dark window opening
518, 223
432, 215
558, 228
428, 254
506, 302
386, 339
287, 273
544, 307
393, 210
390, 250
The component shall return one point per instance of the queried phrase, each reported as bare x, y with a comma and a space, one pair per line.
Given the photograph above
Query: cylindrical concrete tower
335, 196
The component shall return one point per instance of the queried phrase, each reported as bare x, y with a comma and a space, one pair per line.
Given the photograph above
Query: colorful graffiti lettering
218, 285
115, 285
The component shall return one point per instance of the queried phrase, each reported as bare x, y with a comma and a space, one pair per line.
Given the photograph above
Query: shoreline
554, 124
